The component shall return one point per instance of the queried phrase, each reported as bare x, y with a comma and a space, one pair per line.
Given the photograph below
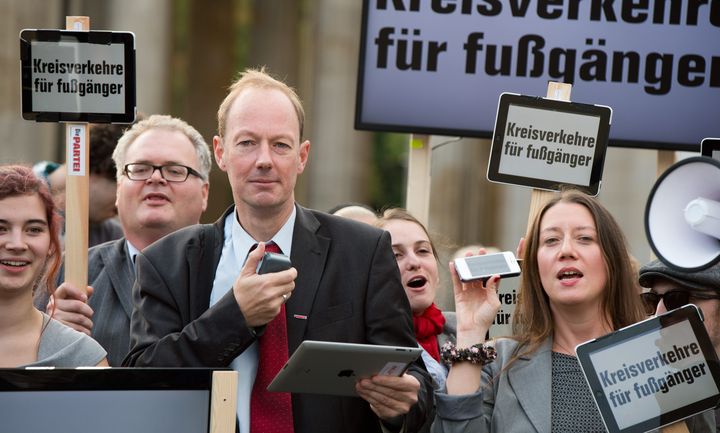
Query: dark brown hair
400, 214
533, 322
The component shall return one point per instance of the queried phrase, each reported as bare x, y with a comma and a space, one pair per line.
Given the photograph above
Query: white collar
242, 241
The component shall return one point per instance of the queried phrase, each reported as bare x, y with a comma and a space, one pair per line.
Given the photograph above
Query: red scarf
427, 326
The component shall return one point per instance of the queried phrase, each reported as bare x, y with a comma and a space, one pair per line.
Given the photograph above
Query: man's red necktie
271, 412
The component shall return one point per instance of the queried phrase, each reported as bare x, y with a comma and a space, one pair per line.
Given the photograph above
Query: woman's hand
476, 305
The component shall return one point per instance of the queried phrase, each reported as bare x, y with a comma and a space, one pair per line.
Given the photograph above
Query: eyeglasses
169, 172
672, 299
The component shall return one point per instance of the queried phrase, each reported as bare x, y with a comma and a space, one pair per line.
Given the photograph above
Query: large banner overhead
439, 66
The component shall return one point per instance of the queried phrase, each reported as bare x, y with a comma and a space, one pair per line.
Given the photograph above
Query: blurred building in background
189, 51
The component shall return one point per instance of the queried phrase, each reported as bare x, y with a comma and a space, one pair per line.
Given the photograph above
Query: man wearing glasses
671, 289
163, 166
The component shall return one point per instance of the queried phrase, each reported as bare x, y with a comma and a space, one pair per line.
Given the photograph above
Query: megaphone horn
682, 215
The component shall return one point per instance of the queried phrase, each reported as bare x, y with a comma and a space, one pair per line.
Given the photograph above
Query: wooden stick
665, 158
678, 427
223, 407
418, 180
77, 189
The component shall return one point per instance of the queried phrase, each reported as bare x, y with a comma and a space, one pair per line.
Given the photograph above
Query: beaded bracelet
477, 354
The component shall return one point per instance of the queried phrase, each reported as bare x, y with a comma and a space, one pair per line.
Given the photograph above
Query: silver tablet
326, 367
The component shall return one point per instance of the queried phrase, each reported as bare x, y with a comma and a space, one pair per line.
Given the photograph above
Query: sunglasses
672, 299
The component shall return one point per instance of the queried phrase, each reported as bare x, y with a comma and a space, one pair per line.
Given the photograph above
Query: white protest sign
74, 77
78, 76
508, 296
549, 145
643, 377
543, 143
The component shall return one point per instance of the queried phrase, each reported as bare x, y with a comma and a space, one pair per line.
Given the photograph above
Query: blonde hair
258, 79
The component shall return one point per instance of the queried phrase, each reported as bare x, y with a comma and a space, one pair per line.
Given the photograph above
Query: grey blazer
449, 330
518, 400
112, 275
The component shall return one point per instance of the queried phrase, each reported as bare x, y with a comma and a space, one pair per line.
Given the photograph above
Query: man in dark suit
200, 302
162, 185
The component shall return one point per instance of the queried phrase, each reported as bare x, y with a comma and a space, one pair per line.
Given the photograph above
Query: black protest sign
78, 76
652, 373
436, 66
544, 143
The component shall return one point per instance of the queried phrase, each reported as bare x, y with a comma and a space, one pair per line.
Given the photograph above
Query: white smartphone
483, 267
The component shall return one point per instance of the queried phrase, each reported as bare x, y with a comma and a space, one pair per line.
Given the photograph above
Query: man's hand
260, 297
71, 308
389, 396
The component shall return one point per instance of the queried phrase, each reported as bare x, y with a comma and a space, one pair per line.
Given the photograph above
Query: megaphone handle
678, 427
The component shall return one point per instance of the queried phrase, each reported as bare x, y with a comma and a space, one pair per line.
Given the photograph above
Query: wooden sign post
80, 77
418, 179
665, 158
223, 408
77, 189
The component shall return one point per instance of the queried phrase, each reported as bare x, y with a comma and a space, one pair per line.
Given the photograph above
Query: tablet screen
113, 400
653, 373
543, 143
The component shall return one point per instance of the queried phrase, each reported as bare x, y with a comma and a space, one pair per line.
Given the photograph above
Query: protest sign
508, 296
652, 373
543, 143
436, 66
119, 400
78, 76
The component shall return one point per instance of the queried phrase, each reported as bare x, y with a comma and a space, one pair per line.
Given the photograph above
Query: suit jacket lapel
118, 268
202, 259
309, 253
530, 377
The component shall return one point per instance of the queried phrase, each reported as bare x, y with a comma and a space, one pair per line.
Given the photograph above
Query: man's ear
219, 151
304, 153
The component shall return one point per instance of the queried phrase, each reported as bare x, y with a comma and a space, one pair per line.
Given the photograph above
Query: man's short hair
258, 79
708, 279
160, 121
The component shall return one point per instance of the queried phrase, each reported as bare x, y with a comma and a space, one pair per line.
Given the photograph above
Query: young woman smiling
29, 259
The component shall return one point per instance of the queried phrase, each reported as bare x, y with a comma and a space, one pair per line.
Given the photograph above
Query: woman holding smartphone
417, 261
30, 256
577, 284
